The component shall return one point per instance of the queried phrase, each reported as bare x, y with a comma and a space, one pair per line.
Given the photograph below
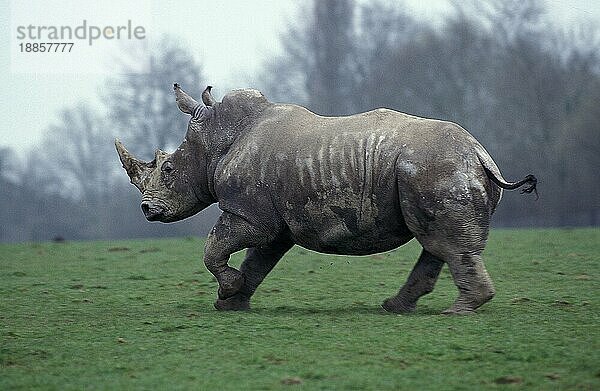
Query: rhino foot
236, 302
230, 282
398, 306
467, 304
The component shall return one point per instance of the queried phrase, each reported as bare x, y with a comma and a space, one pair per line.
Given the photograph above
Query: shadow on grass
337, 311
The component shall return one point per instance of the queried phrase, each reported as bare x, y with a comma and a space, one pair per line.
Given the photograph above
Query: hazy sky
230, 38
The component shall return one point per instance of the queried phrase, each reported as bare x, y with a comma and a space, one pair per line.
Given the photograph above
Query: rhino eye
167, 167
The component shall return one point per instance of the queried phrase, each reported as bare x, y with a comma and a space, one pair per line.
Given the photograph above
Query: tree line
527, 91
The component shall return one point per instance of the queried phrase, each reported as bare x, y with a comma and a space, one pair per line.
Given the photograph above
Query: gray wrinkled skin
354, 185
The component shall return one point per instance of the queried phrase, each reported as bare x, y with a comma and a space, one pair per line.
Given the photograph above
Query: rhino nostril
152, 211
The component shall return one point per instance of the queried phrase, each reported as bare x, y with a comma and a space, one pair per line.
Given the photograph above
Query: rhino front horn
186, 103
132, 165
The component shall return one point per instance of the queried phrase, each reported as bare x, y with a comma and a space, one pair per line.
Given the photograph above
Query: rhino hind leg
259, 261
460, 245
474, 284
455, 231
461, 251
420, 282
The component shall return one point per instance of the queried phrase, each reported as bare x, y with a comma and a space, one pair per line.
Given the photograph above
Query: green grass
139, 315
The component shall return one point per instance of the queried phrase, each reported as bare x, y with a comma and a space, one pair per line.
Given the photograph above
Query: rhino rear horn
186, 103
207, 97
132, 165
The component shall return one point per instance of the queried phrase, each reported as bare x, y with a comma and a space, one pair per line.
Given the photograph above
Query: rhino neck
194, 157
205, 151
237, 114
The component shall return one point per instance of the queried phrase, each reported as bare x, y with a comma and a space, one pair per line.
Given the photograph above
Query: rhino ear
207, 97
186, 103
133, 166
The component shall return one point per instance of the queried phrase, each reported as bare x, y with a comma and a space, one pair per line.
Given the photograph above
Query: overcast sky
230, 38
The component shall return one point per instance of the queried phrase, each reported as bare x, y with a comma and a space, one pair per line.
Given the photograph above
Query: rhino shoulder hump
245, 96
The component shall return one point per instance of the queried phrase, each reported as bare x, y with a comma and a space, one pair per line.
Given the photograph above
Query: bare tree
8, 194
317, 68
76, 155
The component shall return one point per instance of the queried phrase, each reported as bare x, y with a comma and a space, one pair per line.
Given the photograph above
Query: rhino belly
336, 239
353, 245
342, 230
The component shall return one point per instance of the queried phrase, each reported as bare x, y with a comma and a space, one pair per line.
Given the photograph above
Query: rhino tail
492, 171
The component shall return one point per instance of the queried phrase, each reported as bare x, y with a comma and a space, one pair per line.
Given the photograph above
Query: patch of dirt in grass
77, 301
271, 359
116, 249
562, 303
290, 381
509, 380
172, 328
137, 277
396, 362
149, 250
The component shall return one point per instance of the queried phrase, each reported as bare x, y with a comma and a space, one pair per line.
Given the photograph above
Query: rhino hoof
231, 282
234, 303
397, 307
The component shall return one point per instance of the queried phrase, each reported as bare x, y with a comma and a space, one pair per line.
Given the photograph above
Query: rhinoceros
352, 185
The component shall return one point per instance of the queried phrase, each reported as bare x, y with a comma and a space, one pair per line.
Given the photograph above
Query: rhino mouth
153, 212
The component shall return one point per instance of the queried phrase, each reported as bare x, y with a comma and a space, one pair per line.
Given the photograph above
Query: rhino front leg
231, 233
258, 263
420, 282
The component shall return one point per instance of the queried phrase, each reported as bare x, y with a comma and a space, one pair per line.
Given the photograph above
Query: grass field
139, 315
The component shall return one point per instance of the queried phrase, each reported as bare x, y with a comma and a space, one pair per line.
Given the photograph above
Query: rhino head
175, 185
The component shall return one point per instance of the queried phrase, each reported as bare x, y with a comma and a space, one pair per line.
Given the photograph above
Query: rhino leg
462, 252
420, 282
463, 256
454, 230
231, 233
258, 263
474, 284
